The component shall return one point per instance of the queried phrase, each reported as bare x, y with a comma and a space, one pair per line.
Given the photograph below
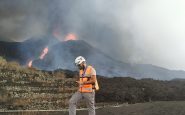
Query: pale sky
158, 27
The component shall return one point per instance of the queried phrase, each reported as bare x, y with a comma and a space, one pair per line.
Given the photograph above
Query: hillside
23, 88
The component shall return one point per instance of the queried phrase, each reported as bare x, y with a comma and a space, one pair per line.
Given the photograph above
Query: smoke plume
134, 31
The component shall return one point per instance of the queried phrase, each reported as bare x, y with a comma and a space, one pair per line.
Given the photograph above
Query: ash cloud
23, 19
137, 31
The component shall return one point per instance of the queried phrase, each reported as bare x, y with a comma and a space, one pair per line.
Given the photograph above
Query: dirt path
155, 108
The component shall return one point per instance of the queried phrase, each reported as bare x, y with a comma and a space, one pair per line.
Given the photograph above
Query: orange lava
44, 52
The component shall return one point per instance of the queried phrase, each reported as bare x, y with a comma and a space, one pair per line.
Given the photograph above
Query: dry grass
2, 61
27, 88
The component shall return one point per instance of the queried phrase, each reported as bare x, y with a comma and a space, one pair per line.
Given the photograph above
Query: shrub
13, 66
3, 61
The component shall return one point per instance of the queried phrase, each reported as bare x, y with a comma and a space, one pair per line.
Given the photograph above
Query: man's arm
91, 81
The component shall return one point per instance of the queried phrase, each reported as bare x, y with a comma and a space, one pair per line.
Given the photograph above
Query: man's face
81, 66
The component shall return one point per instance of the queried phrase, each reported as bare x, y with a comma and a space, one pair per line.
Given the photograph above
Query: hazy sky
135, 31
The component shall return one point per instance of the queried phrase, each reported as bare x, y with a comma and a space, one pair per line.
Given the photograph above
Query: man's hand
80, 83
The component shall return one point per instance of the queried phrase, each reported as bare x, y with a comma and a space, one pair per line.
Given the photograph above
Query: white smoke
134, 31
139, 31
157, 27
22, 19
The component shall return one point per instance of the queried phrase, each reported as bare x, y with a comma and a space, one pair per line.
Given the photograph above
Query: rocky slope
23, 88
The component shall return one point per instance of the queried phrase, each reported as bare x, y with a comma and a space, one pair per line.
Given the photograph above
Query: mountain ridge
61, 55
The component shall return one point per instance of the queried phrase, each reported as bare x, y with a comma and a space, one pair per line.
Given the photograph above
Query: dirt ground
152, 108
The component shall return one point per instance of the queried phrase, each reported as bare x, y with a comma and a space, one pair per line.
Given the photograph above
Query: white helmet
79, 60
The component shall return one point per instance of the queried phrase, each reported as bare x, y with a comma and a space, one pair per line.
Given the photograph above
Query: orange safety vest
85, 75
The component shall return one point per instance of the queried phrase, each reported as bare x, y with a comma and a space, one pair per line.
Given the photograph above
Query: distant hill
61, 55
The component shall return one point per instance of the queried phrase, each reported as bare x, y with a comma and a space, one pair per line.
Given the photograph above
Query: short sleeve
93, 71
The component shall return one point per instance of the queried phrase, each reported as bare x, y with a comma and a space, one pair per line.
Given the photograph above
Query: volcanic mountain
61, 55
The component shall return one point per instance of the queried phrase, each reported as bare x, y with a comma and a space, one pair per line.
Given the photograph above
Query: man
87, 80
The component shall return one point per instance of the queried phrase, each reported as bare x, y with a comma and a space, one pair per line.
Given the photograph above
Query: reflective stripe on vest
85, 76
